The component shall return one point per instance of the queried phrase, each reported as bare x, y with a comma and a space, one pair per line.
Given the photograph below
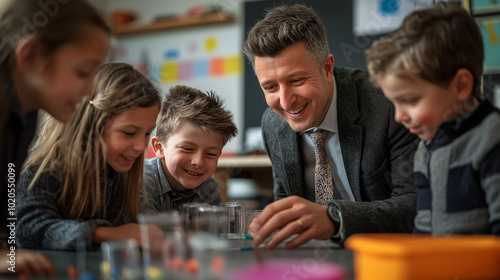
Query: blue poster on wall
383, 16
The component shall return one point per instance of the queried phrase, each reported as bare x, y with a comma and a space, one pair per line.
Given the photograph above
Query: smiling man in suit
367, 182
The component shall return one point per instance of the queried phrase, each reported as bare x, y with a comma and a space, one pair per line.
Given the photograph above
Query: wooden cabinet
175, 23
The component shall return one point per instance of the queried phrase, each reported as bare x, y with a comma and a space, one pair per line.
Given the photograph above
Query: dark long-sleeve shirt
41, 224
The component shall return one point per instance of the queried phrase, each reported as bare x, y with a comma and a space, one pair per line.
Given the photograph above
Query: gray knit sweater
40, 223
162, 198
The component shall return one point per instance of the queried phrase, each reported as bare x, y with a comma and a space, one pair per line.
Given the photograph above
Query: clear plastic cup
121, 260
236, 219
210, 219
188, 210
164, 245
208, 243
249, 216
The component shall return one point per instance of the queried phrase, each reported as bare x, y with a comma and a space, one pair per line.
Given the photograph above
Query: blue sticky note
201, 68
172, 54
389, 7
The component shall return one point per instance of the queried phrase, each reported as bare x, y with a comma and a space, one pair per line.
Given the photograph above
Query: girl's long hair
75, 152
53, 23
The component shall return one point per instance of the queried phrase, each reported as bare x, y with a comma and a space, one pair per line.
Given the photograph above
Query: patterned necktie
322, 172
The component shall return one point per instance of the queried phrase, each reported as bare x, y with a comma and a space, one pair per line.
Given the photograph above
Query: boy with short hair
191, 130
431, 69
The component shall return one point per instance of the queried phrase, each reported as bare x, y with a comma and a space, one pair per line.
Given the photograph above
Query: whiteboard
207, 58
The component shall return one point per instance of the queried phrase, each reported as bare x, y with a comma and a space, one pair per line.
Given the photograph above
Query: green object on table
248, 236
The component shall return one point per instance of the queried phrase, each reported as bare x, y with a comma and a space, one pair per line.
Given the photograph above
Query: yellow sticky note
169, 72
232, 64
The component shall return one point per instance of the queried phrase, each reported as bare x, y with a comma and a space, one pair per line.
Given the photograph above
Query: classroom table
238, 256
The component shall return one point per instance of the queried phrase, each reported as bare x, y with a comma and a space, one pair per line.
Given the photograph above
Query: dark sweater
17, 134
41, 224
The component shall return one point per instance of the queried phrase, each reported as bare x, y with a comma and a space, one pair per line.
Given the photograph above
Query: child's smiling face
190, 156
126, 136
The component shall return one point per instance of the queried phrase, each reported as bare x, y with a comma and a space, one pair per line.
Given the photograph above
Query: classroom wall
187, 48
242, 92
240, 89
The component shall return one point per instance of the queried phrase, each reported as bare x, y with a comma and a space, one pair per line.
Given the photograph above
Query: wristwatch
336, 217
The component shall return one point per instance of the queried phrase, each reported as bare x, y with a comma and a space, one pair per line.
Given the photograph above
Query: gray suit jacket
377, 153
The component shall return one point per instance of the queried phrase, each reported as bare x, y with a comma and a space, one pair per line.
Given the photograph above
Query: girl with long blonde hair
83, 178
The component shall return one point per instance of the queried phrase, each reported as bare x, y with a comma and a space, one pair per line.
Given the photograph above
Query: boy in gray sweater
192, 129
431, 69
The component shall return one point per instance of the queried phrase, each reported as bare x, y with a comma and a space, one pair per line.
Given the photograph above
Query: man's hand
292, 215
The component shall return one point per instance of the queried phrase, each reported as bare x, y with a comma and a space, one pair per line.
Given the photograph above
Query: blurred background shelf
176, 23
246, 178
244, 161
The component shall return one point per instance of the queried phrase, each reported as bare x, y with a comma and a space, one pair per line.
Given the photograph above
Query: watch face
334, 214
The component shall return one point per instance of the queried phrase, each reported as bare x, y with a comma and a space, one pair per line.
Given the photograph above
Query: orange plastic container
408, 256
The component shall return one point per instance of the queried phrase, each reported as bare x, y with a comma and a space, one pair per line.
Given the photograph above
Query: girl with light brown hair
83, 178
